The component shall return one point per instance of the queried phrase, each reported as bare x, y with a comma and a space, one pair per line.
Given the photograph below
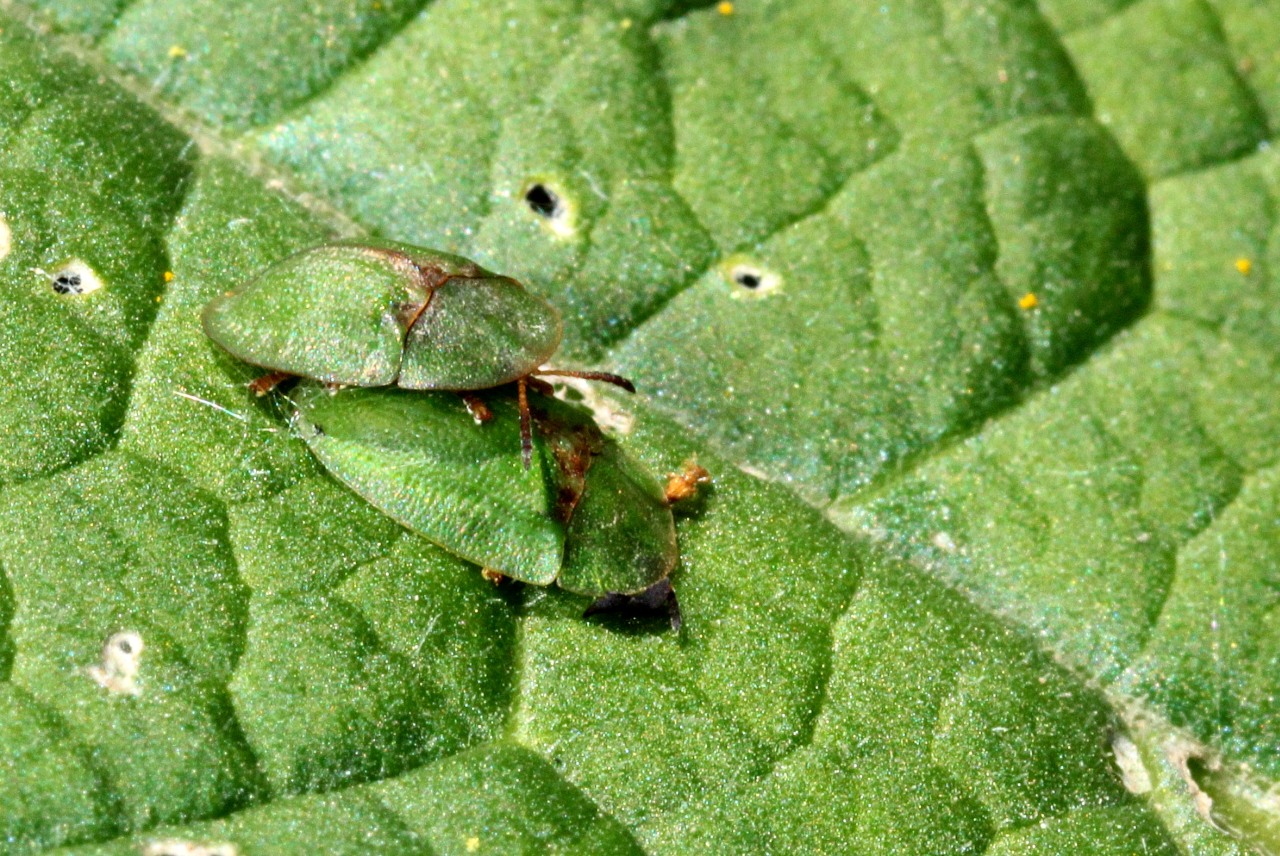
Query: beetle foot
684, 484
261, 386
540, 386
657, 598
495, 577
479, 411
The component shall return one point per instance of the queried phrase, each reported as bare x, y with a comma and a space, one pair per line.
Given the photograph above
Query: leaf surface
966, 307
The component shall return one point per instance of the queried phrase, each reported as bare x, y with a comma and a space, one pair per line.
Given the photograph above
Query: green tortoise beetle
588, 517
372, 314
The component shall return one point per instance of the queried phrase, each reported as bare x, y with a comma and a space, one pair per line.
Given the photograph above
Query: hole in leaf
556, 210
543, 201
6, 238
1198, 768
121, 661
750, 280
68, 283
74, 278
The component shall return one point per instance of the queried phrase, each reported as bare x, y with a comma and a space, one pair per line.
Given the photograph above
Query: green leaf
967, 308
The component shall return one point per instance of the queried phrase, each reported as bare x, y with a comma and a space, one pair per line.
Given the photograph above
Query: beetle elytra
587, 516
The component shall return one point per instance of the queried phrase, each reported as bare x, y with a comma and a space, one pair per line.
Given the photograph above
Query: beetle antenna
526, 429
616, 380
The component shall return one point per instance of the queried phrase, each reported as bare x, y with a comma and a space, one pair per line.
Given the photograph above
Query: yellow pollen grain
1244, 266
168, 276
177, 52
725, 8
1028, 301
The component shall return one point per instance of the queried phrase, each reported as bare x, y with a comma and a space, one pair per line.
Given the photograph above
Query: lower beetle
588, 517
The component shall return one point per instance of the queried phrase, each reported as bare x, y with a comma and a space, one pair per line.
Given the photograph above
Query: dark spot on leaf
68, 283
1198, 768
751, 280
543, 201
125, 646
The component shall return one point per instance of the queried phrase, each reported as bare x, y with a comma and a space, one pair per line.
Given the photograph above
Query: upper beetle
379, 313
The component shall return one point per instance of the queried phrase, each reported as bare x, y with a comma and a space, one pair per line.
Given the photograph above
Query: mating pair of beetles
370, 327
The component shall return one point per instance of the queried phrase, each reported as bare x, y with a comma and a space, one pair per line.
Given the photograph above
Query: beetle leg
616, 380
526, 429
479, 411
684, 484
261, 386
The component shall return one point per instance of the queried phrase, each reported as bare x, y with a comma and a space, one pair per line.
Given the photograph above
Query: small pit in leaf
68, 283
121, 662
750, 280
551, 206
543, 201
74, 278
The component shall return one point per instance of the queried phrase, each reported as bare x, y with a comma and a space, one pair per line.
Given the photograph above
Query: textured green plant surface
990, 562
